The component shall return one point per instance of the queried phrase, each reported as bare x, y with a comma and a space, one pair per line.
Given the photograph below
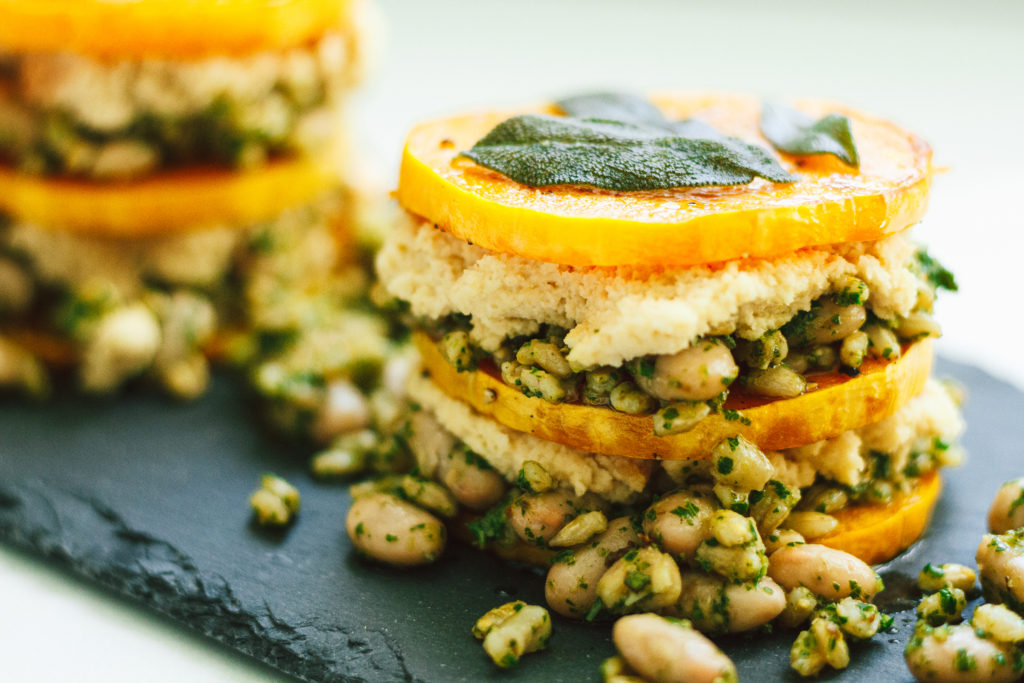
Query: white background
950, 71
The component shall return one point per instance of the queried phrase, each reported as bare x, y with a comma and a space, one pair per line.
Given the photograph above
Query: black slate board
148, 498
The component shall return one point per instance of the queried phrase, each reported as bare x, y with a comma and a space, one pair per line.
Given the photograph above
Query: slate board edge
151, 573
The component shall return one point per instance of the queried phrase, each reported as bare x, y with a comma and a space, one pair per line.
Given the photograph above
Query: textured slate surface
148, 498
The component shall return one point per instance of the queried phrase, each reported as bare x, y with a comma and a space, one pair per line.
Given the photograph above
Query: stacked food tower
693, 330
172, 187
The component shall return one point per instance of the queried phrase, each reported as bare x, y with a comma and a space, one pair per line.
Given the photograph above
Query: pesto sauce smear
622, 142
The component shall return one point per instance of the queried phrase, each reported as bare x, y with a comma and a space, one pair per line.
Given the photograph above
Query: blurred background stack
174, 191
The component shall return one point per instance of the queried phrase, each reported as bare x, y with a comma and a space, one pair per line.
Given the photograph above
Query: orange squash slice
830, 204
165, 28
165, 203
838, 404
878, 533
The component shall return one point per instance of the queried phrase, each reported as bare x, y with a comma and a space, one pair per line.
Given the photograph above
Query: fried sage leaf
615, 106
630, 108
794, 132
541, 150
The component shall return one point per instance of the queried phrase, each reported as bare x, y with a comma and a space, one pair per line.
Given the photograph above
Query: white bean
678, 523
831, 323
698, 373
393, 531
536, 518
829, 573
1001, 566
473, 485
1007, 511
715, 605
571, 585
957, 653
666, 652
642, 580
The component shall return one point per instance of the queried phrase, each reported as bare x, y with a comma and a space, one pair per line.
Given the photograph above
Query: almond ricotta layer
617, 314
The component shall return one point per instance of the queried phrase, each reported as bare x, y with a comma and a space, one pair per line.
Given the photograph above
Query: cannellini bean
580, 529
781, 538
698, 373
957, 653
857, 618
1001, 566
431, 443
935, 577
677, 418
276, 501
533, 478
774, 506
732, 529
678, 523
738, 564
998, 622
512, 630
546, 355
393, 531
811, 525
918, 325
627, 398
779, 382
536, 518
471, 482
428, 495
457, 350
830, 323
346, 456
829, 573
769, 350
943, 607
665, 652
822, 644
125, 343
853, 349
598, 384
715, 605
882, 342
642, 580
739, 464
800, 605
571, 585
344, 410
1007, 511
533, 381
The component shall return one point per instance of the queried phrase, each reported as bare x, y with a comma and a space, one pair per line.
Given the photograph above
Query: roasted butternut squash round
578, 226
170, 202
165, 28
878, 533
838, 404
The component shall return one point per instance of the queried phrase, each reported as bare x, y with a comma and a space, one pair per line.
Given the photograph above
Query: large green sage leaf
542, 150
615, 106
630, 108
794, 132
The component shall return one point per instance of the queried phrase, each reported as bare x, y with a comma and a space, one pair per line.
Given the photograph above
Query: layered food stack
171, 172
696, 330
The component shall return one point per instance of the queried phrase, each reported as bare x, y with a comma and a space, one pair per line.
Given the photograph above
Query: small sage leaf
794, 132
541, 150
612, 106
